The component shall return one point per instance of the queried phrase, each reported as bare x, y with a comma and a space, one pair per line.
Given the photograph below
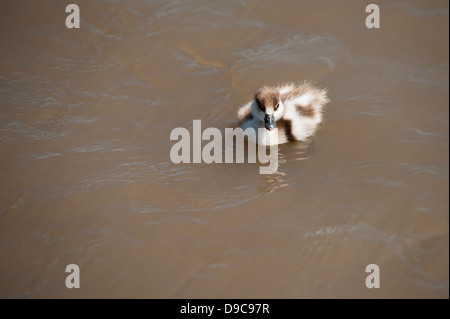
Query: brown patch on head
286, 127
267, 97
306, 111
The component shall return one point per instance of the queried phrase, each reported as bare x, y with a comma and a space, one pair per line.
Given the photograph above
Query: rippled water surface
86, 177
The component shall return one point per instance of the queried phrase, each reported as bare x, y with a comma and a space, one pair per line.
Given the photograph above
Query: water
86, 177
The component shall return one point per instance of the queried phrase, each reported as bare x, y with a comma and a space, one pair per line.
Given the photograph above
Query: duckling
296, 110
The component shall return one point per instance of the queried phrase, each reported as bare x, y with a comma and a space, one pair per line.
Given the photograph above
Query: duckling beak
270, 122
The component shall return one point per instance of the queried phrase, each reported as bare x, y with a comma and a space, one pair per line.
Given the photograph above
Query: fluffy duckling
296, 110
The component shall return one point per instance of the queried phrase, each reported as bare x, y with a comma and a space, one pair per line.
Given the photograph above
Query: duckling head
268, 106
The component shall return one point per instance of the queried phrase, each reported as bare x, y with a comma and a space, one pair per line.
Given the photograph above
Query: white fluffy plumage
295, 110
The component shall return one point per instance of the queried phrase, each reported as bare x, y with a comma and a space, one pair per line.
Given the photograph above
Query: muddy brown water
86, 178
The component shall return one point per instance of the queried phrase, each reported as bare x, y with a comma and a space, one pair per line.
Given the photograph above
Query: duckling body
295, 110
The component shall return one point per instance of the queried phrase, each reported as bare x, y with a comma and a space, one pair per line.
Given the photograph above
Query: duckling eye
260, 106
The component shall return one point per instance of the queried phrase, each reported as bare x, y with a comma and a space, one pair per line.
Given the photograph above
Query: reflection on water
85, 124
